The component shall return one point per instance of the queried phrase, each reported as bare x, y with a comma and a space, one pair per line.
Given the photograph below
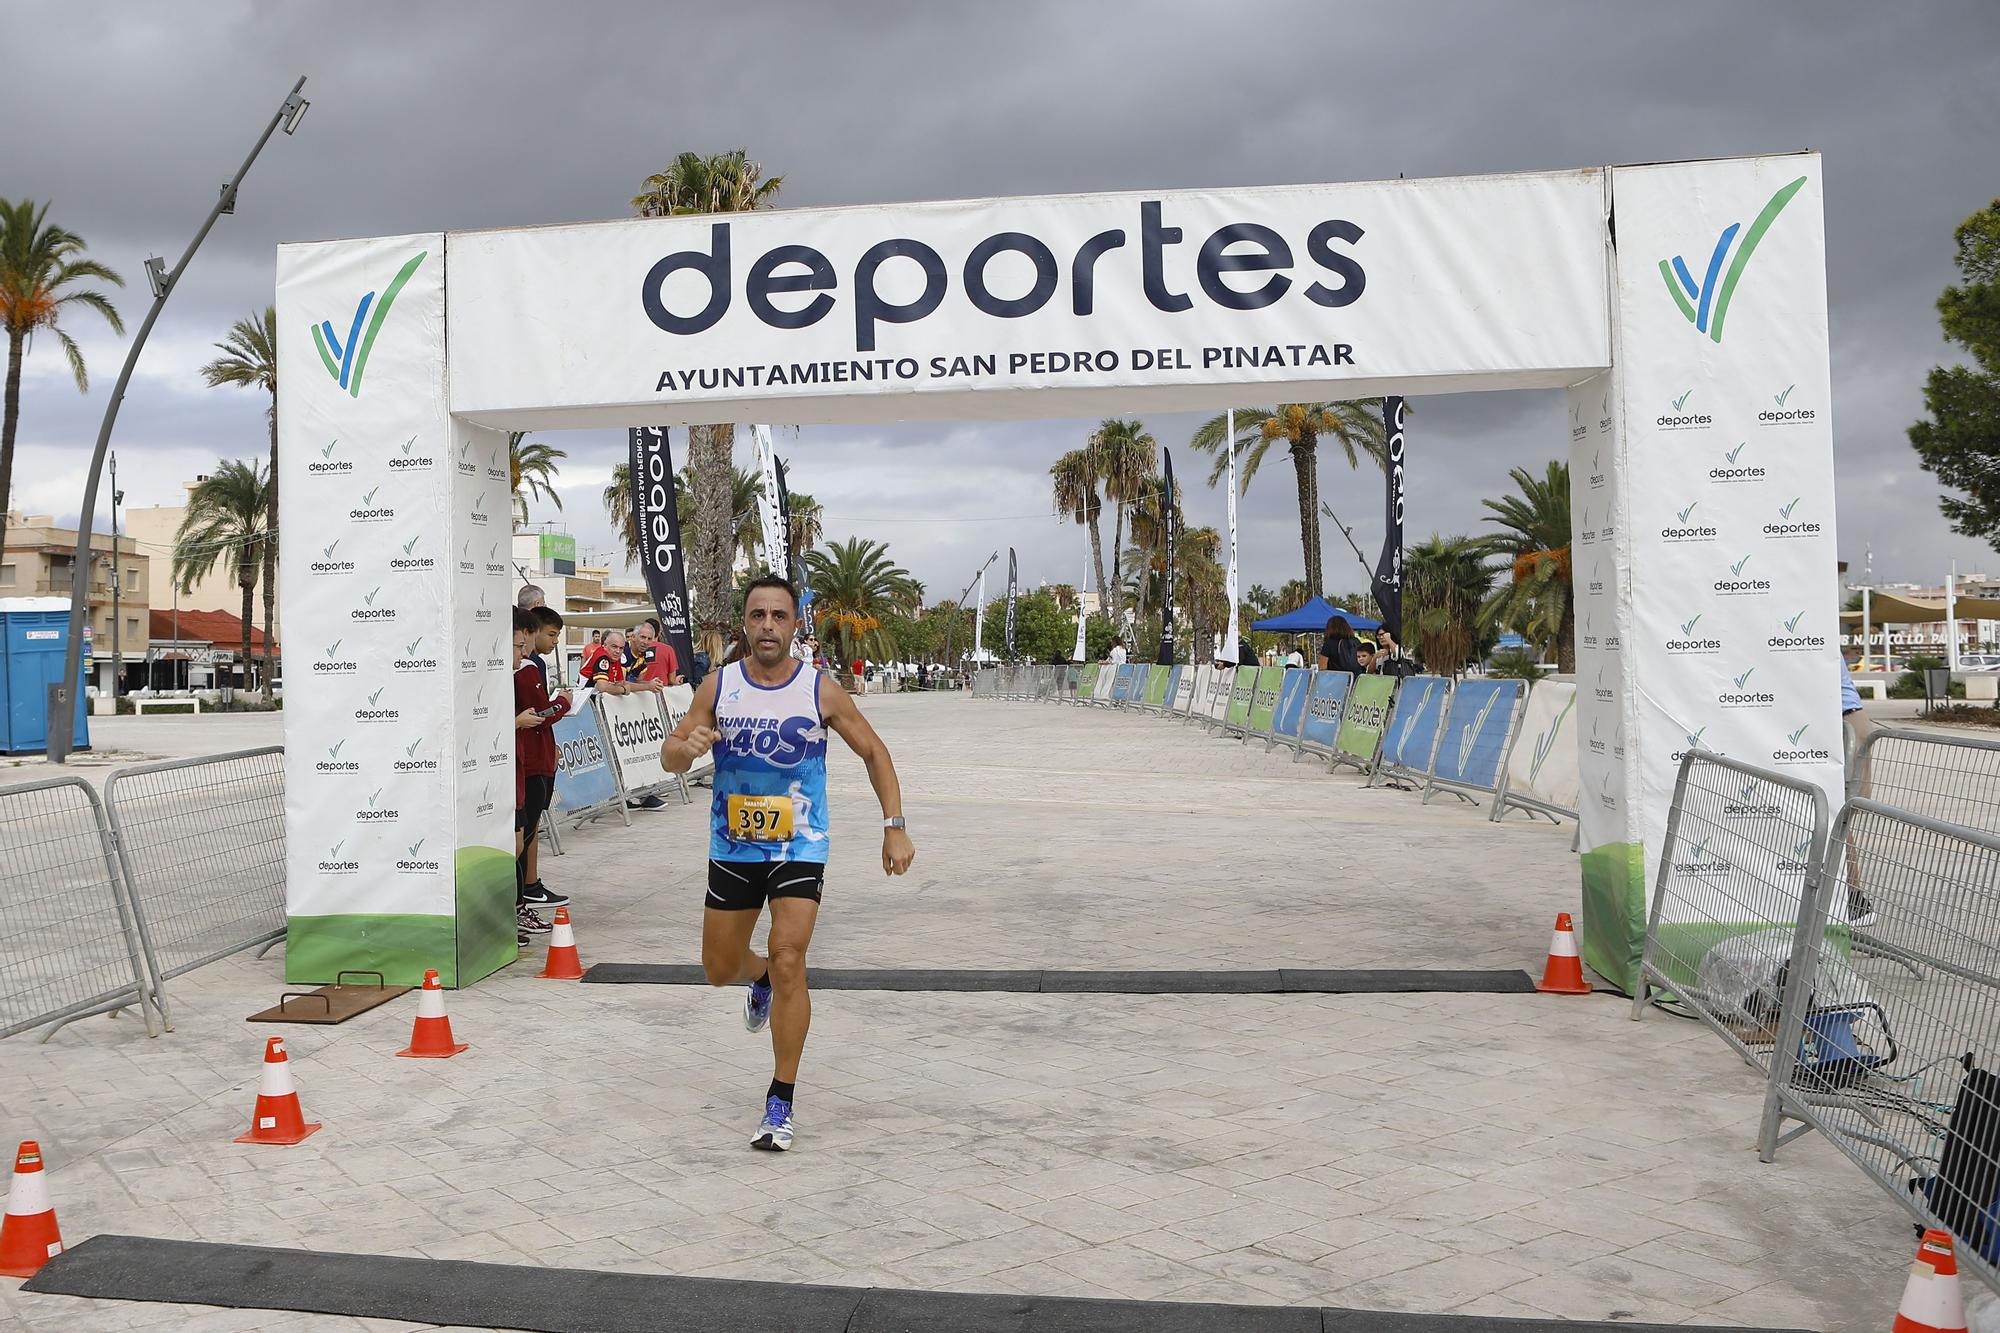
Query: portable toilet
34, 631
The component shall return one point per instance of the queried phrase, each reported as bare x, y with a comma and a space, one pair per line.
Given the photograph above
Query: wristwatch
894, 821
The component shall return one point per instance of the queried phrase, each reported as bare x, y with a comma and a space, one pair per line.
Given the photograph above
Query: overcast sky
452, 115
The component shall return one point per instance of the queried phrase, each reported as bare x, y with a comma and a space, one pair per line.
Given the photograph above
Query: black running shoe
539, 894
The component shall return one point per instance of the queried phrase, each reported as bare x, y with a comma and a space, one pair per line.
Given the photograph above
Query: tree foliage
249, 360
1959, 443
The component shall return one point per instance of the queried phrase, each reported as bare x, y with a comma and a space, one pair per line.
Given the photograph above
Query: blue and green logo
1706, 304
346, 361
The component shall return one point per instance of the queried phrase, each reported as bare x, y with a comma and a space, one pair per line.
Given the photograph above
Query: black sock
782, 1091
764, 980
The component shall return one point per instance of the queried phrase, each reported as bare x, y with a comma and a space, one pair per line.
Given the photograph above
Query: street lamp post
62, 710
950, 663
117, 591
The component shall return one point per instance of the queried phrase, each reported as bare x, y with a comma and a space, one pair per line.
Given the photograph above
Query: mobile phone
550, 711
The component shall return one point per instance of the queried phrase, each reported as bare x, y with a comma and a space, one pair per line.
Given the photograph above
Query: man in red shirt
651, 658
535, 715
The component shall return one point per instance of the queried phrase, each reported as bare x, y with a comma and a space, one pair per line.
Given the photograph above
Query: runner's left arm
837, 707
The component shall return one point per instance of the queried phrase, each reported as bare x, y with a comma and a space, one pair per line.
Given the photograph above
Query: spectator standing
545, 635
1391, 658
535, 764
649, 658
530, 597
1337, 649
1117, 652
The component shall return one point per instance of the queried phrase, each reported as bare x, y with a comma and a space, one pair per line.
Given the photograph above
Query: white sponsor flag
767, 502
1228, 652
1082, 588
978, 614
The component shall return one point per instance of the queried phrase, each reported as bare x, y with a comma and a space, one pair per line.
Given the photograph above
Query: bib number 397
760, 818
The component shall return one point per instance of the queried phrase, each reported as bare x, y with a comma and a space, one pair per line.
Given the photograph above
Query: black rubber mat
564, 1300
1050, 981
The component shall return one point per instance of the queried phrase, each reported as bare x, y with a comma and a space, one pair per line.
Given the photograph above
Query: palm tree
1075, 477
1356, 426
1148, 553
39, 269
805, 524
249, 360
225, 519
531, 471
1125, 457
718, 183
1536, 535
1445, 583
856, 586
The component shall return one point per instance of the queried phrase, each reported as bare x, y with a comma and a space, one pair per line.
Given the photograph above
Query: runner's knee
788, 964
720, 968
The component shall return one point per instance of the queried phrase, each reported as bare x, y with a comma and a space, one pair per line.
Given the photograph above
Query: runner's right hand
699, 740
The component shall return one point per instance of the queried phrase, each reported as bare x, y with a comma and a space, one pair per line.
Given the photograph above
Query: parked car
1979, 661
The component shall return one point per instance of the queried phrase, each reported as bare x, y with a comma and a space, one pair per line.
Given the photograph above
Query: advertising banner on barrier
1180, 688
1264, 698
636, 726
1156, 686
1476, 731
1291, 709
1242, 694
584, 776
1121, 683
1362, 720
1542, 768
1086, 682
1129, 298
1107, 681
1321, 727
1414, 724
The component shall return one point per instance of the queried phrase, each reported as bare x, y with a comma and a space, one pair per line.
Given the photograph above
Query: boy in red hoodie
535, 762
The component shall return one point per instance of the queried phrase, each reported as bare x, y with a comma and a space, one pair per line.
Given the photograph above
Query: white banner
771, 523
635, 725
1125, 302
1542, 767
1722, 507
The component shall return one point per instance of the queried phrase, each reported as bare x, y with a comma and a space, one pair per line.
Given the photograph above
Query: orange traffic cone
1564, 973
1932, 1302
28, 1235
563, 964
431, 1039
278, 1118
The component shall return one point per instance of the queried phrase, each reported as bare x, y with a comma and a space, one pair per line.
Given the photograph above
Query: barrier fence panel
1945, 776
1320, 728
1107, 681
1542, 774
1157, 680
1894, 1053
1221, 688
1414, 726
1291, 709
636, 725
1361, 722
1738, 866
1086, 683
1479, 729
1242, 693
201, 843
586, 783
1186, 686
1121, 685
71, 945
985, 683
1263, 703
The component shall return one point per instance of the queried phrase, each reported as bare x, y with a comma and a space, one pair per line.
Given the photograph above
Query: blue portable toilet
33, 634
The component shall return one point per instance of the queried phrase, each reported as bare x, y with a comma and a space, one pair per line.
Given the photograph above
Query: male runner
766, 717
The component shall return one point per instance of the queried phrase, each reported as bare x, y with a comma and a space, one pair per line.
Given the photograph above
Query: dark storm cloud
464, 115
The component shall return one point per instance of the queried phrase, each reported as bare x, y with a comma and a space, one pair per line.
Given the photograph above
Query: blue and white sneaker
757, 1007
775, 1134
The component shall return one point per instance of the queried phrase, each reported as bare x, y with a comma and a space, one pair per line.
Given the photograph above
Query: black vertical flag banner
1013, 583
1387, 585
795, 564
1170, 537
658, 520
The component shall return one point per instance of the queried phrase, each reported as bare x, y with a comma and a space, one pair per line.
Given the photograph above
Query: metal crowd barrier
71, 946
1949, 777
1890, 1048
202, 846
1738, 868
1409, 745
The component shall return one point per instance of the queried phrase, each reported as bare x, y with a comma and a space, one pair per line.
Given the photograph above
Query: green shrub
1514, 665
1910, 685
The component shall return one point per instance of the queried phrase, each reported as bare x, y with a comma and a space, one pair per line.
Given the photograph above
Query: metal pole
1866, 636
1951, 618
951, 626
62, 712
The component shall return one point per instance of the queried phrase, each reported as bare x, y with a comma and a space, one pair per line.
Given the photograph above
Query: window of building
131, 625
6, 576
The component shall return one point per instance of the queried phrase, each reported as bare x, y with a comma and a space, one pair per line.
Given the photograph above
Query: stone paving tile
1482, 1154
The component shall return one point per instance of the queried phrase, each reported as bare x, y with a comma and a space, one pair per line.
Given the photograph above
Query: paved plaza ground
1510, 1155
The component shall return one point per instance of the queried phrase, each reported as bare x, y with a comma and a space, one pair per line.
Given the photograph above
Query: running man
766, 717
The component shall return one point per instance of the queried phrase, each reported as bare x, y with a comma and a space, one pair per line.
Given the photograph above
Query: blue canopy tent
1311, 619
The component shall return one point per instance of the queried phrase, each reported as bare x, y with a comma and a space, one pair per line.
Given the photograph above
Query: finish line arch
1682, 305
